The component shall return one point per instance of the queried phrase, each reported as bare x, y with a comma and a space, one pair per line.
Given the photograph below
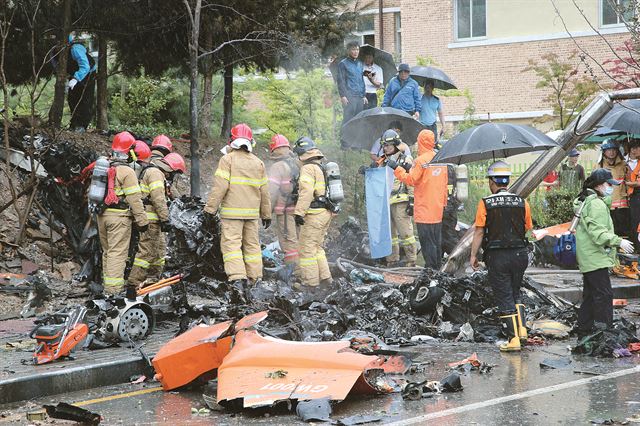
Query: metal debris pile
463, 310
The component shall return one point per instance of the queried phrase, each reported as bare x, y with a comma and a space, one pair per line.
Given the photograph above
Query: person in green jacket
596, 246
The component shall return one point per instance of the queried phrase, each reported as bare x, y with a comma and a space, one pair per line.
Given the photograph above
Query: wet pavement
516, 391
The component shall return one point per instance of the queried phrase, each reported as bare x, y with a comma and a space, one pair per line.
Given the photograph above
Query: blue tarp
378, 215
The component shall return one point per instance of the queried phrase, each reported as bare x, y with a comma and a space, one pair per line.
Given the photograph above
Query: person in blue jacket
81, 85
403, 93
350, 83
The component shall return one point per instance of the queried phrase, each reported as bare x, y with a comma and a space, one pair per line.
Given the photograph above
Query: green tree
568, 92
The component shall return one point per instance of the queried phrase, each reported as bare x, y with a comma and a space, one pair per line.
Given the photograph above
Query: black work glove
409, 208
407, 167
393, 164
299, 220
208, 219
165, 226
130, 292
266, 223
142, 228
373, 165
362, 169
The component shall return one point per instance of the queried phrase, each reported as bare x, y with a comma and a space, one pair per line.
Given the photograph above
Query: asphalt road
517, 391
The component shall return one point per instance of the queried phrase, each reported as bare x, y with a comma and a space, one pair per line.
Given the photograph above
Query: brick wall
493, 73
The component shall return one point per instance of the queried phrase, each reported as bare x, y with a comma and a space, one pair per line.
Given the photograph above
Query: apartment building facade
484, 45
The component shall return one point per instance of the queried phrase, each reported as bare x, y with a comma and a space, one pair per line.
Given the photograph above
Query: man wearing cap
571, 176
502, 220
596, 247
404, 93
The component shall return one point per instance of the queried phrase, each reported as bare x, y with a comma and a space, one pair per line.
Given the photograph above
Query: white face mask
607, 190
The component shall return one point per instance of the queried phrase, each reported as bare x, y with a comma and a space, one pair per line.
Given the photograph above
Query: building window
616, 12
471, 19
365, 30
398, 37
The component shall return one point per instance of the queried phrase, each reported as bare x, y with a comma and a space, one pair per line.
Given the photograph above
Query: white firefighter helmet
499, 169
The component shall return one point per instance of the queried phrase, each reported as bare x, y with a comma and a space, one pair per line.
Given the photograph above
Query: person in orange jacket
430, 197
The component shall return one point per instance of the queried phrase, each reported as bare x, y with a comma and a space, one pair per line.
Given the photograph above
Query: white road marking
514, 397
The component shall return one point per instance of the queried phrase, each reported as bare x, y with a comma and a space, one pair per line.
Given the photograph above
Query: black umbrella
365, 128
623, 117
492, 140
440, 79
381, 58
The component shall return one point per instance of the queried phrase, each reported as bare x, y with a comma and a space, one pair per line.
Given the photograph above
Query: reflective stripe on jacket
240, 187
152, 186
310, 183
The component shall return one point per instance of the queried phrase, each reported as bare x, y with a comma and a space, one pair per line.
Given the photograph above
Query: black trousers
634, 213
430, 236
505, 271
434, 129
372, 100
350, 110
622, 223
449, 222
81, 100
597, 300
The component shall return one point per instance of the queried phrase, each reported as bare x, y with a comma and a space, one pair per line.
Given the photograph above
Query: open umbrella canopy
381, 58
365, 128
623, 117
440, 79
603, 133
492, 140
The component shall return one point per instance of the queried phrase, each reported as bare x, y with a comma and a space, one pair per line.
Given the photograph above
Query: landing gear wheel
134, 325
423, 299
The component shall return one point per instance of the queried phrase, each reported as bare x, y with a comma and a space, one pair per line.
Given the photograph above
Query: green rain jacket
596, 242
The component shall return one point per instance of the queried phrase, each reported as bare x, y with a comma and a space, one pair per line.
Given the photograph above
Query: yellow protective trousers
313, 261
149, 259
287, 232
114, 229
402, 234
240, 246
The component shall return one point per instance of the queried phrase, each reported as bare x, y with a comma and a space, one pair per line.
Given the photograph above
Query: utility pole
380, 23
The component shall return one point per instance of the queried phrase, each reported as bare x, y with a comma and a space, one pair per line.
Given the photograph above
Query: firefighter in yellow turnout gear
401, 201
312, 215
150, 258
281, 173
123, 207
241, 194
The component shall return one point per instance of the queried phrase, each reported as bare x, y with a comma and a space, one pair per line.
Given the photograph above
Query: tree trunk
227, 103
207, 91
102, 118
57, 106
207, 99
193, 96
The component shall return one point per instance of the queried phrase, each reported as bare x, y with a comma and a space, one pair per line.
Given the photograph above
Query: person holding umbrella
613, 161
350, 83
403, 93
373, 77
502, 220
596, 244
432, 110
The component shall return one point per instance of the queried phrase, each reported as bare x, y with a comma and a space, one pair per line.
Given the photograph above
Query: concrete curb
620, 291
70, 379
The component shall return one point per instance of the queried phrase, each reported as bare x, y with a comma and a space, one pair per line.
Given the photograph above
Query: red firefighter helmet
142, 150
162, 143
122, 142
175, 161
241, 131
278, 141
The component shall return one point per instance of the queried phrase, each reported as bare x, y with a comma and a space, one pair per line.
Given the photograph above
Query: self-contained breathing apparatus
334, 191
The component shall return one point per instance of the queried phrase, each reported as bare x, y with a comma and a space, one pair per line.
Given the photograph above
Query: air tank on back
98, 187
335, 192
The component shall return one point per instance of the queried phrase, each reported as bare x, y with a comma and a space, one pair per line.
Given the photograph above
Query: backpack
565, 248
